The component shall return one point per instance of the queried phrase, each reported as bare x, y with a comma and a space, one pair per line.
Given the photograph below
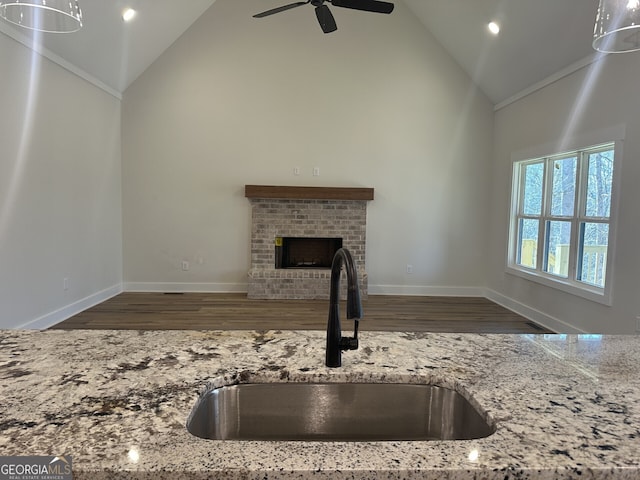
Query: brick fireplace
318, 216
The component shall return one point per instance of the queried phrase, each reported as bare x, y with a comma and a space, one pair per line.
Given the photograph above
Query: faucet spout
335, 341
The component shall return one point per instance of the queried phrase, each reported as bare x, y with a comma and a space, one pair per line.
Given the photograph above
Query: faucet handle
349, 343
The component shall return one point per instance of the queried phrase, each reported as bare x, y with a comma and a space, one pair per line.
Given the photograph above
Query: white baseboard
185, 287
425, 291
552, 323
50, 319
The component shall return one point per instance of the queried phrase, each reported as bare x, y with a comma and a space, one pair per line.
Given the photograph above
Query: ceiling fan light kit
617, 28
325, 17
50, 16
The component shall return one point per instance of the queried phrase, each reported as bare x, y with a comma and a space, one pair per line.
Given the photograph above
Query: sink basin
336, 412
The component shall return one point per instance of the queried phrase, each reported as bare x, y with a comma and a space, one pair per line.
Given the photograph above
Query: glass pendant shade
52, 16
617, 27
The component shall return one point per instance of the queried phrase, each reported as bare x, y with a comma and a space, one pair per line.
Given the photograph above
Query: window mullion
581, 213
580, 208
573, 249
547, 191
581, 188
540, 231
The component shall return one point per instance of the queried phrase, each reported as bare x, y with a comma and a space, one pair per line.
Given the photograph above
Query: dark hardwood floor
208, 311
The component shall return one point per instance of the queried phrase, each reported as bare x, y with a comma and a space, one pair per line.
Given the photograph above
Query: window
561, 216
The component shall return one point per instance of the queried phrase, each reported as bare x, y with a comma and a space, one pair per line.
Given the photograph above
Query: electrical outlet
409, 269
296, 171
65, 283
316, 171
185, 265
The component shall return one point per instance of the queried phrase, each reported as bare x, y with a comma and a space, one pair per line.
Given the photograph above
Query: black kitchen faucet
335, 341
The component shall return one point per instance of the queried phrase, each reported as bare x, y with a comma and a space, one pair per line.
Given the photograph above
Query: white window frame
548, 153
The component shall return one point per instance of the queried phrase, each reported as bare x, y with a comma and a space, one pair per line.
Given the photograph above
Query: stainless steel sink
336, 412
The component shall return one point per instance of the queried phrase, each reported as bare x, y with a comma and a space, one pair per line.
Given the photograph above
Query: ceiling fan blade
326, 20
280, 9
366, 5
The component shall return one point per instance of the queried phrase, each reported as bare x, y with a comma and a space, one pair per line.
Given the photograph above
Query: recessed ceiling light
494, 28
128, 14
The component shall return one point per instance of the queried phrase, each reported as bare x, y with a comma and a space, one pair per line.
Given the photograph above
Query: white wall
599, 97
237, 100
60, 191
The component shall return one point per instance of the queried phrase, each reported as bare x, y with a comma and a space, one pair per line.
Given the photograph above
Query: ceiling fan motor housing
324, 15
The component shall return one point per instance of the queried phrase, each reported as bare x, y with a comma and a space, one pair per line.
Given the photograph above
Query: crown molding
48, 54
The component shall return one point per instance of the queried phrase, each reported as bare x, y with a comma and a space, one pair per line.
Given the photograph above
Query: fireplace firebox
304, 252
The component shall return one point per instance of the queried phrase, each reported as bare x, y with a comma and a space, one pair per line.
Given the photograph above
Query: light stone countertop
565, 406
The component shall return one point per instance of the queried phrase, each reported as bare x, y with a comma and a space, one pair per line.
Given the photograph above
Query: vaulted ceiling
538, 38
110, 50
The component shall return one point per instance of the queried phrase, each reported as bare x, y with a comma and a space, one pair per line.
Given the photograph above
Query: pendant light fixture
51, 16
617, 27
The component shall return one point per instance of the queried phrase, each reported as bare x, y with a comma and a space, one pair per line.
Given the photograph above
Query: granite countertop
565, 406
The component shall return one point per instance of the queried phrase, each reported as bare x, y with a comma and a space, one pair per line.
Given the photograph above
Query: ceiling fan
324, 15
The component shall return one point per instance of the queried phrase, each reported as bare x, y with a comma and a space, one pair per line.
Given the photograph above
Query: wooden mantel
308, 193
